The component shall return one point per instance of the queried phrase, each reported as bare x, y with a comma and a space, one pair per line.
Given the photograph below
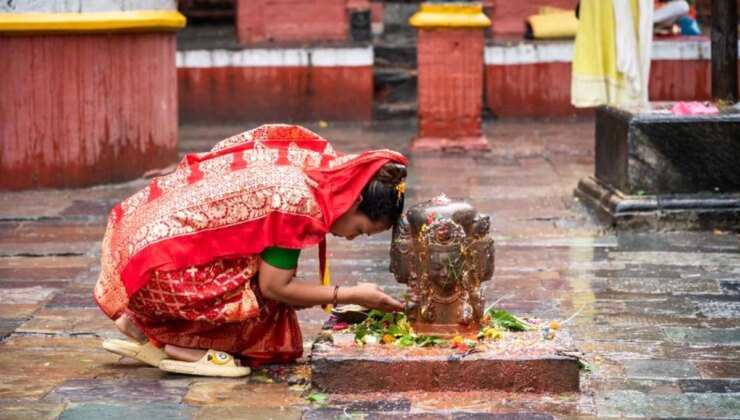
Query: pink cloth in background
694, 108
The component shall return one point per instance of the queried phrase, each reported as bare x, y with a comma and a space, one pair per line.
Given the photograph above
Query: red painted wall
291, 20
83, 110
529, 90
680, 80
543, 89
232, 94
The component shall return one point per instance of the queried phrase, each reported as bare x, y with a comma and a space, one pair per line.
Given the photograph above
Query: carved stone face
445, 267
481, 226
401, 259
483, 252
443, 255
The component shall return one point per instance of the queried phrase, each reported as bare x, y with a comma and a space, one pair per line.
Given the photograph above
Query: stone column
450, 81
724, 50
89, 91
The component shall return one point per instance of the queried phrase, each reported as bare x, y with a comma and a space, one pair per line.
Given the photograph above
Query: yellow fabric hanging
596, 77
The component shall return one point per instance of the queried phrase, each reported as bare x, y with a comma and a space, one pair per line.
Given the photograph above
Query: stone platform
659, 171
520, 362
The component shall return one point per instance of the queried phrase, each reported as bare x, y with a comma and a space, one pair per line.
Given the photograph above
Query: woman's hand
370, 296
278, 284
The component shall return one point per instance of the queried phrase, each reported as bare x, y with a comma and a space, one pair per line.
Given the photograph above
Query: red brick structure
450, 80
84, 107
281, 84
295, 20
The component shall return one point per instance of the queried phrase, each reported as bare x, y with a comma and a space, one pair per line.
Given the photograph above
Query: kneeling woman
198, 266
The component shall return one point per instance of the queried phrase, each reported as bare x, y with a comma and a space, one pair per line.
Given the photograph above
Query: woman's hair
382, 197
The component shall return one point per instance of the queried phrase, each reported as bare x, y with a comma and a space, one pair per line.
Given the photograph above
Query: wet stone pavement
659, 322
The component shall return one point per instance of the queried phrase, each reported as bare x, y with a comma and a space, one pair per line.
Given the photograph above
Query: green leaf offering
405, 341
318, 398
391, 328
505, 320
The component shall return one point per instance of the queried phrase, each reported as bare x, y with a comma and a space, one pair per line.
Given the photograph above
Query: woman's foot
188, 355
183, 353
127, 328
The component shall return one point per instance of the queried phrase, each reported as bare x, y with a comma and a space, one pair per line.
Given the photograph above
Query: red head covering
276, 185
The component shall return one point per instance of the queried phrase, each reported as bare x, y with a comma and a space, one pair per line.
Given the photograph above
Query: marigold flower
401, 189
456, 341
388, 339
492, 334
554, 325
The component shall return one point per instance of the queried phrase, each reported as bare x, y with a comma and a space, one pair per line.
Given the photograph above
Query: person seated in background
669, 14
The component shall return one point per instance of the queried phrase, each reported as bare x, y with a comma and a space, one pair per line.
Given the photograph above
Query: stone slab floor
660, 323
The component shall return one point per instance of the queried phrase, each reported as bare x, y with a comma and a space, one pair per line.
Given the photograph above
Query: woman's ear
359, 199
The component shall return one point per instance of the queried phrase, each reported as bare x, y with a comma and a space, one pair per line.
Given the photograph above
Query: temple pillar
450, 80
89, 91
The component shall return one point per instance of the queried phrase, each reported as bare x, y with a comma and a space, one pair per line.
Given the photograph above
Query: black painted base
699, 211
652, 152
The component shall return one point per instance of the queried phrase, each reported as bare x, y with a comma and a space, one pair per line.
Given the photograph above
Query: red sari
180, 257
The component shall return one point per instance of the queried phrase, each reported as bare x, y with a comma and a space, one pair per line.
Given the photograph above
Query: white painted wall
562, 52
77, 6
288, 57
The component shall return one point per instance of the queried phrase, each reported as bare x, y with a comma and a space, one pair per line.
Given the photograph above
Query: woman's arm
279, 284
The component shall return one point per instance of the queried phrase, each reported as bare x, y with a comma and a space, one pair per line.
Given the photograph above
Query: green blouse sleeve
281, 257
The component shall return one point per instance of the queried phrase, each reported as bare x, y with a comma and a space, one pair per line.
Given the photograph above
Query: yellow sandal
213, 363
147, 353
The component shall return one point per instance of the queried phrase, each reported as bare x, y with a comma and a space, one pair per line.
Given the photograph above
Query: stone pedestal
87, 97
520, 362
656, 170
450, 76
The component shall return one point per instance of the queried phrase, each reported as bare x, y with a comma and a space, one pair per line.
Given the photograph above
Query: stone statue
442, 250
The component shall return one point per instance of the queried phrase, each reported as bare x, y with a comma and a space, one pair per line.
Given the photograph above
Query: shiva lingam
442, 251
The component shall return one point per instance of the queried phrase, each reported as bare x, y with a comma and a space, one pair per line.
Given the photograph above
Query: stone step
394, 85
391, 111
395, 54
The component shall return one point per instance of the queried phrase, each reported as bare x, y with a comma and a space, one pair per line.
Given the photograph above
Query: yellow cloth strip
326, 281
90, 22
432, 16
